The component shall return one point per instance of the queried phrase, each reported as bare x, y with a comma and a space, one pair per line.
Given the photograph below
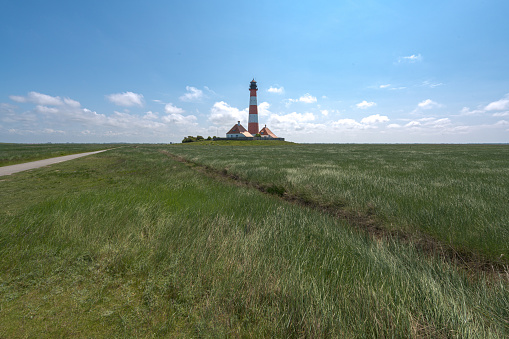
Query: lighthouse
253, 109
240, 133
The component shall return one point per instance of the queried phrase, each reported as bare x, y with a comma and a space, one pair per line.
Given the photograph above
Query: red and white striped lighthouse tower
253, 109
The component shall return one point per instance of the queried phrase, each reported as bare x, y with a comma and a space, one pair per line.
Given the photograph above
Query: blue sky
327, 71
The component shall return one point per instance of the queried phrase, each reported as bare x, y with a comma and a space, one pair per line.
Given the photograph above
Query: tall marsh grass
458, 194
130, 243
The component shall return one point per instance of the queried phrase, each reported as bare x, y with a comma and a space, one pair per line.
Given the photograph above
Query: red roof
239, 129
267, 132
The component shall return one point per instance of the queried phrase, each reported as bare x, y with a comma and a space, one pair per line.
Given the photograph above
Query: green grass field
12, 154
458, 194
131, 243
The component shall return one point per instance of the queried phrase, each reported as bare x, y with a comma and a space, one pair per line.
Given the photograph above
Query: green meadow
457, 194
133, 243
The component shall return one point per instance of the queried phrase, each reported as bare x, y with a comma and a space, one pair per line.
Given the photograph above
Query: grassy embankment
12, 154
458, 194
237, 142
132, 243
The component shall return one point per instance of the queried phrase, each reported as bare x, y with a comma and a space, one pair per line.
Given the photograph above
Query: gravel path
8, 170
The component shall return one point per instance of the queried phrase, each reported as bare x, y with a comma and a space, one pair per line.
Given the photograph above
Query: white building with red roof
267, 133
238, 131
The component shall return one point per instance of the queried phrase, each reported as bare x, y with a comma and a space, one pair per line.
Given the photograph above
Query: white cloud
263, 109
276, 90
430, 84
365, 123
126, 99
171, 109
430, 123
411, 58
373, 119
9, 114
293, 117
466, 111
502, 123
393, 126
413, 124
365, 104
306, 98
390, 87
52, 117
304, 123
223, 114
294, 123
52, 131
123, 123
193, 94
150, 115
18, 98
499, 105
501, 114
347, 123
442, 122
180, 119
46, 109
41, 99
209, 90
428, 104
7, 108
428, 119
72, 103
433, 123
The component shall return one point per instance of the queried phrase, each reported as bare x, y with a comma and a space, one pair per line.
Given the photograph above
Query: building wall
235, 136
241, 137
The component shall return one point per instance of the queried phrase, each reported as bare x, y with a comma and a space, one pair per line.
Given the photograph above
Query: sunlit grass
131, 243
459, 194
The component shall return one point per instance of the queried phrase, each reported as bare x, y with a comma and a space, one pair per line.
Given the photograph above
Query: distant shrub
189, 139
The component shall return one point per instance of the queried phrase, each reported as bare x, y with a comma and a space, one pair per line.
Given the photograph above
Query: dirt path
8, 170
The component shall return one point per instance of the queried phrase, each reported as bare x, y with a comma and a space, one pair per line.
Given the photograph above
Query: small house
267, 133
238, 131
